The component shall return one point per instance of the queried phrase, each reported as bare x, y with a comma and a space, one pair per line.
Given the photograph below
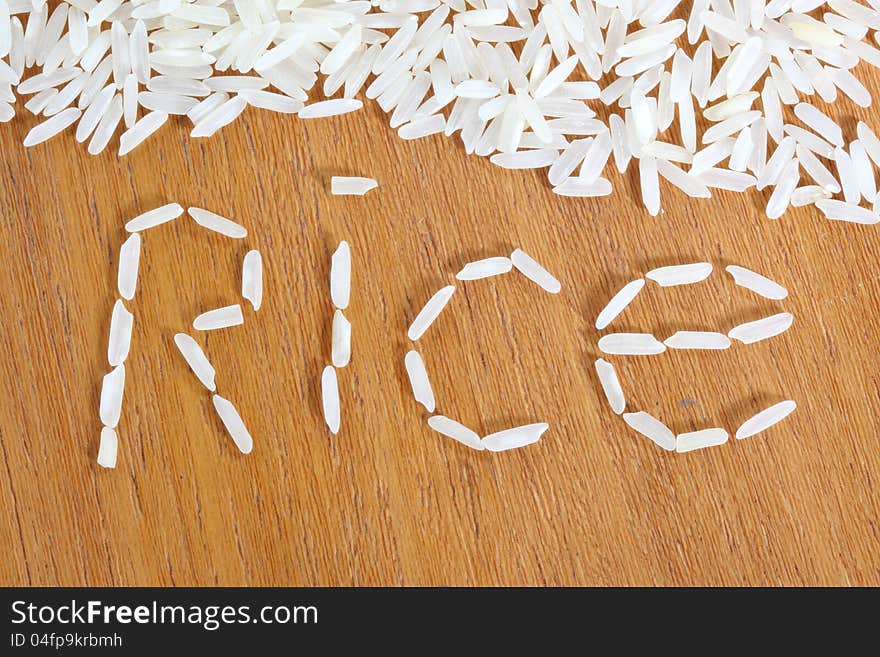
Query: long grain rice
530, 268
680, 274
112, 389
419, 381
652, 428
757, 283
154, 217
762, 329
217, 223
107, 449
619, 302
194, 356
610, 385
234, 424
330, 399
340, 340
697, 340
765, 419
430, 312
121, 323
455, 430
252, 278
219, 318
129, 263
631, 344
514, 438
340, 276
688, 442
484, 268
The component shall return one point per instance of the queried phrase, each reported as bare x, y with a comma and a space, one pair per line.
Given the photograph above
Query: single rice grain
652, 428
610, 385
234, 424
194, 356
419, 381
107, 448
688, 442
330, 399
619, 302
219, 318
513, 438
252, 278
217, 223
765, 419
340, 276
455, 430
430, 312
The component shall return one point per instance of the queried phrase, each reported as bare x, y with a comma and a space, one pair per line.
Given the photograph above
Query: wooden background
388, 501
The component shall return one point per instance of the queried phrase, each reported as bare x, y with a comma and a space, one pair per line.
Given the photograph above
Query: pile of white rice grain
712, 94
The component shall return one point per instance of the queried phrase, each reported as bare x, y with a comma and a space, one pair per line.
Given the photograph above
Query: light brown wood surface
388, 501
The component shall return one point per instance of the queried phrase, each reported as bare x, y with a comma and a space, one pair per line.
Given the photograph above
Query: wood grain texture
388, 501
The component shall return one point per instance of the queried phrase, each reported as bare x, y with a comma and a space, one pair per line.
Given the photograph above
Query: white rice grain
631, 344
697, 340
234, 424
870, 141
211, 118
340, 276
419, 381
121, 322
217, 223
808, 195
327, 108
219, 318
430, 312
619, 302
340, 340
819, 123
194, 356
785, 186
108, 447
688, 442
94, 113
106, 126
485, 268
530, 268
848, 177
761, 329
143, 128
864, 170
154, 217
351, 185
129, 263
756, 283
843, 211
652, 428
112, 389
252, 278
680, 274
455, 430
610, 385
330, 399
765, 419
649, 184
514, 438
51, 127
